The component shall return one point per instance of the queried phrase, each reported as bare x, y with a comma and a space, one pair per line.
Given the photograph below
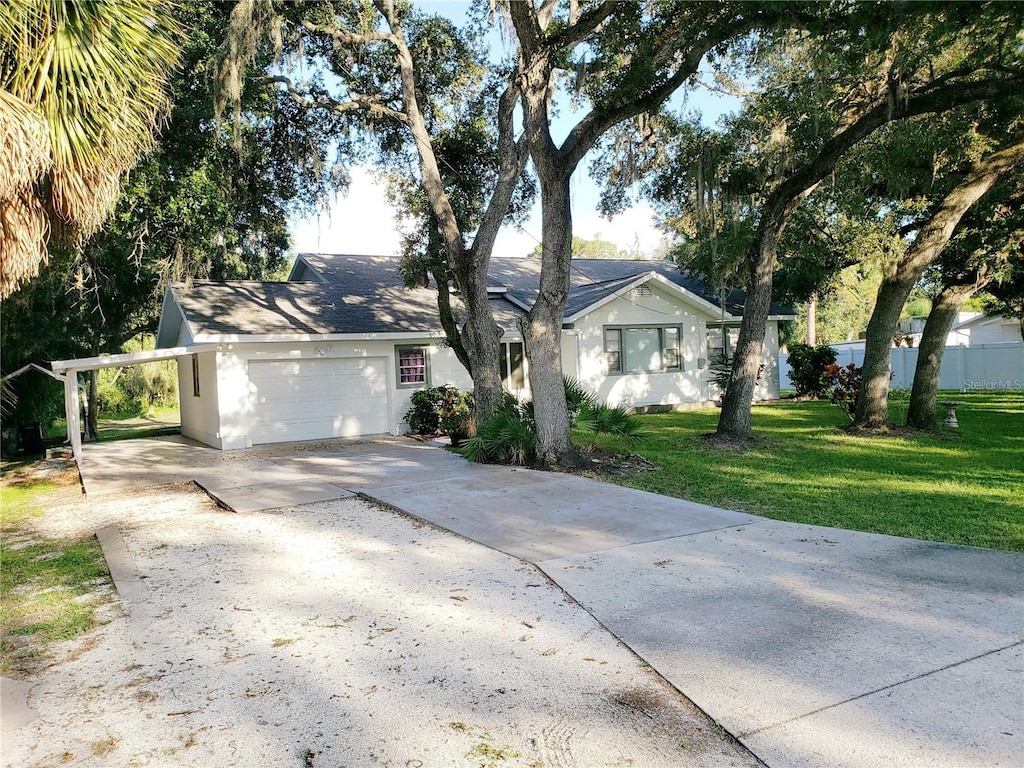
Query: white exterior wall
768, 385
997, 330
638, 389
224, 418
200, 416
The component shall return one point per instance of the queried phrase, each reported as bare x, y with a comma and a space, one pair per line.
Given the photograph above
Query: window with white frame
721, 345
512, 372
643, 349
412, 366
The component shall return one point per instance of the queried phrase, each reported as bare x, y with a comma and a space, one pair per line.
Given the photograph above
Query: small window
722, 345
513, 377
670, 353
195, 375
613, 349
412, 366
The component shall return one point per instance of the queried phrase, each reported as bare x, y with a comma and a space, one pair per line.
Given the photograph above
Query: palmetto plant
82, 89
510, 436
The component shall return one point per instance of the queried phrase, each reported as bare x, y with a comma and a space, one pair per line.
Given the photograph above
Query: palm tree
82, 90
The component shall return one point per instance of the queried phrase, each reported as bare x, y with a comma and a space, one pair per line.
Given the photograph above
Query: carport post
71, 412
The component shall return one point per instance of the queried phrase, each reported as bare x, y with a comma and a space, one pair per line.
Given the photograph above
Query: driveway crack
766, 728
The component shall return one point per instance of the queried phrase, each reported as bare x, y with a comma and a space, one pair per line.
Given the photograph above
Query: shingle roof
364, 294
594, 279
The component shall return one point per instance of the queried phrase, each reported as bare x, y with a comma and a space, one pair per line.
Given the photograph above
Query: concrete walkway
814, 646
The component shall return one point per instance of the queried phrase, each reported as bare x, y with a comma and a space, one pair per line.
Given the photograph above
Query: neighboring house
977, 328
968, 329
338, 350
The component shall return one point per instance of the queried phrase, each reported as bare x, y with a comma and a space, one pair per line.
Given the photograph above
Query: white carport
71, 369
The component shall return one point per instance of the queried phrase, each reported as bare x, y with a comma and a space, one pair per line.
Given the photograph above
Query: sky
363, 222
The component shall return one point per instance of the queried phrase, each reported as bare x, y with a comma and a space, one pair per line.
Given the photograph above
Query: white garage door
313, 399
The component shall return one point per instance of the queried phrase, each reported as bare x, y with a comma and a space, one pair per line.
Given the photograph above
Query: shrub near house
810, 369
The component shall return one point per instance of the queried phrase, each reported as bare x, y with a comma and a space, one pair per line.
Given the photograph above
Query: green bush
809, 368
441, 410
112, 399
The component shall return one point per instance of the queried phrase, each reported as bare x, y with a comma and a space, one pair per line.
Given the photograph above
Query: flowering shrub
845, 383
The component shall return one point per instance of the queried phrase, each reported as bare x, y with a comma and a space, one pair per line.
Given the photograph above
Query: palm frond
24, 145
24, 229
95, 73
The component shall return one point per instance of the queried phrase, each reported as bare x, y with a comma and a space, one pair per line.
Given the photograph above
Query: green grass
59, 427
961, 486
42, 582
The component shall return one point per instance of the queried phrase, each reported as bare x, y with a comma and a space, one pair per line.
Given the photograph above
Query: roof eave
241, 338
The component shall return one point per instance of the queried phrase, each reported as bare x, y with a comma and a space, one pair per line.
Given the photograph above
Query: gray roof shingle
364, 294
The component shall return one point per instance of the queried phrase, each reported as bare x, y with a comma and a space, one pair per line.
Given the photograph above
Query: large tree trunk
873, 403
875, 373
542, 327
92, 427
482, 336
921, 410
469, 265
734, 420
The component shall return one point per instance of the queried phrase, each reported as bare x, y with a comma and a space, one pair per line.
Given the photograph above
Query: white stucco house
338, 349
975, 328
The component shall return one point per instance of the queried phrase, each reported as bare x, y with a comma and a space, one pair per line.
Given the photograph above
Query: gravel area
342, 634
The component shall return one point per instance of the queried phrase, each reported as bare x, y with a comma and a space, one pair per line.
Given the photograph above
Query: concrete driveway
814, 646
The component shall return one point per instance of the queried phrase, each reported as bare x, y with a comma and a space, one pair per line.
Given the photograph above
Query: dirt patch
593, 462
733, 443
382, 632
60, 472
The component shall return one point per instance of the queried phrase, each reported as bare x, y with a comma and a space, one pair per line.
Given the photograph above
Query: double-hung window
412, 366
512, 373
722, 345
643, 349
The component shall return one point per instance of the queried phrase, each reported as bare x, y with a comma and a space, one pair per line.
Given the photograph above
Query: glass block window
412, 366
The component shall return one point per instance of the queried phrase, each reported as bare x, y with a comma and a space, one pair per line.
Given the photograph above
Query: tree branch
576, 32
513, 154
346, 37
319, 99
932, 100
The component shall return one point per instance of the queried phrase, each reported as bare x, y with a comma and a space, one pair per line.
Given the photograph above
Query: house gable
649, 284
173, 329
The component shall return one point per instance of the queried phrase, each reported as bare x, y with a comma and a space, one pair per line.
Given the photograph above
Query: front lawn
963, 487
49, 589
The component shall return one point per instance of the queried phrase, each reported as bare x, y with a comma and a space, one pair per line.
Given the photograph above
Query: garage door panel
312, 399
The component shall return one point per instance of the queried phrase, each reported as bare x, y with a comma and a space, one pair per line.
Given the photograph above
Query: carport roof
127, 358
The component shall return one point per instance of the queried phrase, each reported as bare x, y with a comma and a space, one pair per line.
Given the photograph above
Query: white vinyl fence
965, 369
